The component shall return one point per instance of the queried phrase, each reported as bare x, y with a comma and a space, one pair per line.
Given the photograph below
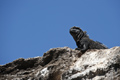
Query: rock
96, 65
66, 64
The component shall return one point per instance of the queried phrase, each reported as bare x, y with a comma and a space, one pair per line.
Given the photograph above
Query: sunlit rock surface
66, 64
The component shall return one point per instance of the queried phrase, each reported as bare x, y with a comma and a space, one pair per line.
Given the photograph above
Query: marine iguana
83, 41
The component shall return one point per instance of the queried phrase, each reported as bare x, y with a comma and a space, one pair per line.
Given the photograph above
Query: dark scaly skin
82, 40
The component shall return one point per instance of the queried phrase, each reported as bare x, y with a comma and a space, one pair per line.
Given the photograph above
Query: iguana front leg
83, 46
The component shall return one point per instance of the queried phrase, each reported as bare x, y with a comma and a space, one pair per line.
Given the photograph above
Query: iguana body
82, 40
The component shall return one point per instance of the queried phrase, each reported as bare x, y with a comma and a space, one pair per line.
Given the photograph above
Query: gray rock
96, 65
66, 64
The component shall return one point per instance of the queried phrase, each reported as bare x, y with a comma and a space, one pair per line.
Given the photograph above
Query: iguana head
77, 33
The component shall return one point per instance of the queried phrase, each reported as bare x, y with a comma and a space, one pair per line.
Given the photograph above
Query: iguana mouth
76, 32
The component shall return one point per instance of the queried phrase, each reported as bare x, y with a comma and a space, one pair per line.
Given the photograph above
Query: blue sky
29, 28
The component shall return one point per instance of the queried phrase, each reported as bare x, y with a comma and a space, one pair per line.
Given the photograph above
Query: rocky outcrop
66, 64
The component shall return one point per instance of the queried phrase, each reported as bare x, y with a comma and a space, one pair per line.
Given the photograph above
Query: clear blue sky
29, 28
